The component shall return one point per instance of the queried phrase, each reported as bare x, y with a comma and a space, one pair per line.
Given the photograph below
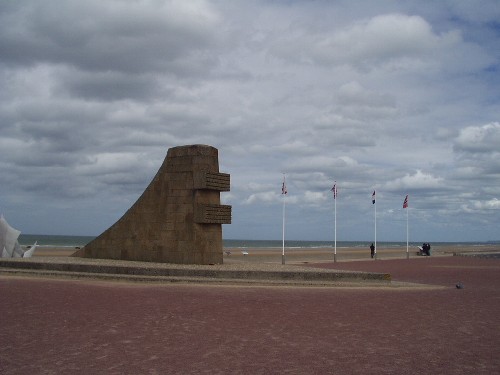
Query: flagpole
284, 193
407, 206
283, 253
335, 215
335, 251
375, 226
407, 235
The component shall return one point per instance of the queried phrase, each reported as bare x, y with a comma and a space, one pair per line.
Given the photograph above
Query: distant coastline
79, 241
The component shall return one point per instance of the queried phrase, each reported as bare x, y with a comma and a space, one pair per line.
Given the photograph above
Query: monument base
178, 217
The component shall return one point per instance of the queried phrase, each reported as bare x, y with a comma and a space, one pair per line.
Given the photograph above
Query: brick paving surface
84, 327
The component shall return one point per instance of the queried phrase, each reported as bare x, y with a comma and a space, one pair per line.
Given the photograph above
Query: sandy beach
311, 255
326, 254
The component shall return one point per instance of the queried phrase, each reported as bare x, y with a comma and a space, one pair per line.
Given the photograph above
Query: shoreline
307, 254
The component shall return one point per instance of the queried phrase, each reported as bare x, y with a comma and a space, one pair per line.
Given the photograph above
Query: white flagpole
335, 215
283, 253
407, 206
284, 193
407, 235
375, 204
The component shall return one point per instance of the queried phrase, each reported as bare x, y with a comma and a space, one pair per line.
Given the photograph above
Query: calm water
47, 240
73, 241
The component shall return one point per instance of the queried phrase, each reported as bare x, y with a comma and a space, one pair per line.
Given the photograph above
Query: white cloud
314, 197
268, 196
478, 154
479, 139
419, 180
394, 40
493, 204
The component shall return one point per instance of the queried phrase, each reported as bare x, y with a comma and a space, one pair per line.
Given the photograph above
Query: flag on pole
334, 189
373, 197
405, 205
283, 193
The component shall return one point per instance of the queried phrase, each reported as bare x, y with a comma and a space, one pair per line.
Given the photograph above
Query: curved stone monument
178, 217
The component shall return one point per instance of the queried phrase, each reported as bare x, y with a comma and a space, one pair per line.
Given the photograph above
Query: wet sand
315, 255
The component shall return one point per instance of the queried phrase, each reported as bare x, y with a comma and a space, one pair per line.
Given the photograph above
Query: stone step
160, 272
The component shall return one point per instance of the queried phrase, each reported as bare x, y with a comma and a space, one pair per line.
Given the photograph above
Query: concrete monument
178, 217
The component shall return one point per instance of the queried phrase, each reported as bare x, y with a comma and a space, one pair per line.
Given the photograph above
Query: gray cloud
131, 37
397, 97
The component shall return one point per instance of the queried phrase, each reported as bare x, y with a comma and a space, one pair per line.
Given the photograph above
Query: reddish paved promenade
84, 327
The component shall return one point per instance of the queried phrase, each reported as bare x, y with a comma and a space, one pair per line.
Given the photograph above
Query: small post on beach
284, 192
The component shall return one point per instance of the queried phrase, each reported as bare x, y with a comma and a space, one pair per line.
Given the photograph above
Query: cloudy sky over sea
401, 97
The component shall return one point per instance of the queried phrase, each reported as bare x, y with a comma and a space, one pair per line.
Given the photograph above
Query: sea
44, 240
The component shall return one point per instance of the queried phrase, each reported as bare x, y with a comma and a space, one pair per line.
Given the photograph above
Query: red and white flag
334, 189
405, 203
283, 187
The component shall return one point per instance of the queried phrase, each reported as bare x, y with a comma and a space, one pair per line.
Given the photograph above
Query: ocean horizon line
75, 241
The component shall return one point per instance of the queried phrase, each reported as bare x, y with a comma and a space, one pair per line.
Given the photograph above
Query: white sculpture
8, 242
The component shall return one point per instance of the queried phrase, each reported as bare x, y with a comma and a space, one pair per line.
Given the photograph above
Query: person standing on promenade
372, 250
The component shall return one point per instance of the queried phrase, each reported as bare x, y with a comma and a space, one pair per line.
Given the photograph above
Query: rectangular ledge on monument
211, 181
212, 214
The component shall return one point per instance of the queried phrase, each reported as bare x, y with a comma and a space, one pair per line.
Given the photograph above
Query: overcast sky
401, 97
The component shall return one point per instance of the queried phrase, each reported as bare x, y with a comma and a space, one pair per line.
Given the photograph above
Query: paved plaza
60, 326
